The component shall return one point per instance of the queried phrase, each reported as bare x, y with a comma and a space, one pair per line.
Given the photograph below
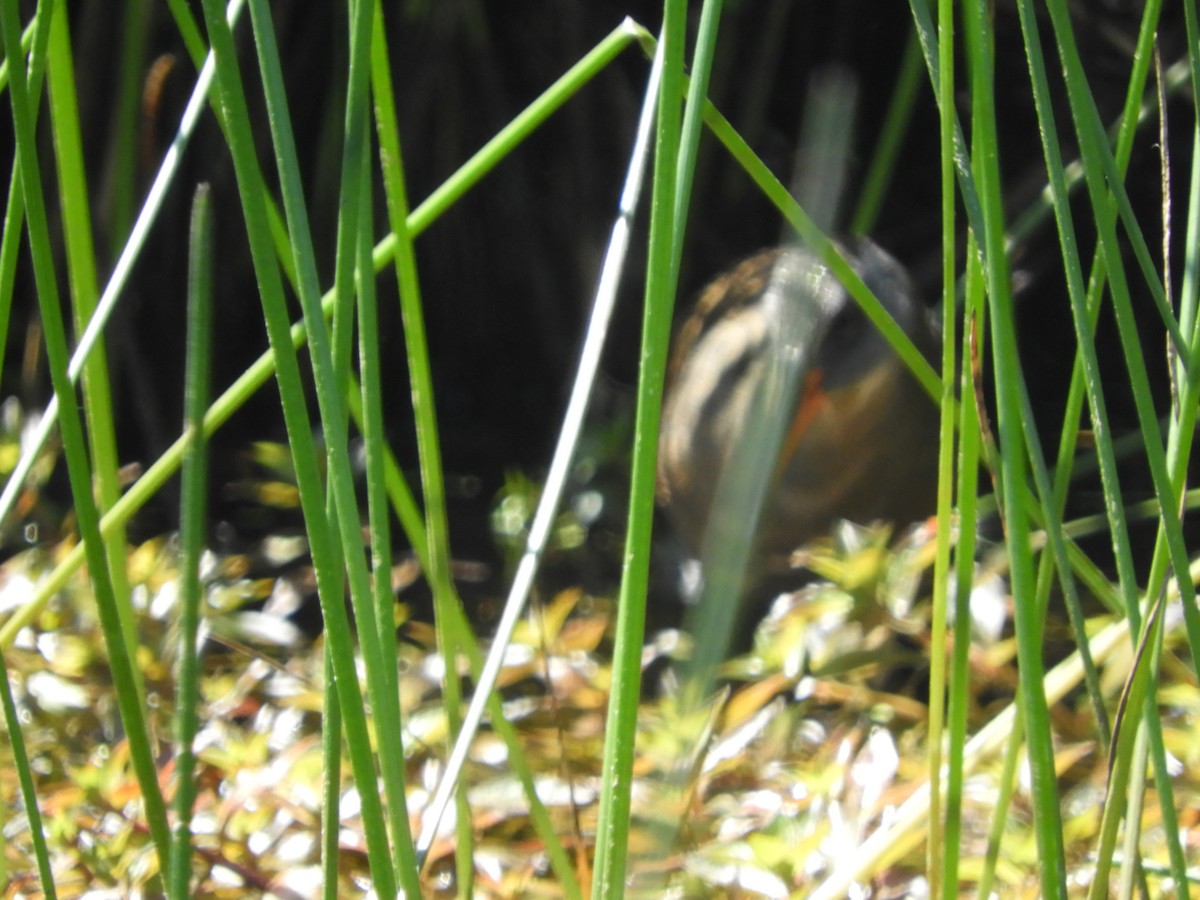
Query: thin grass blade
323, 535
608, 877
193, 502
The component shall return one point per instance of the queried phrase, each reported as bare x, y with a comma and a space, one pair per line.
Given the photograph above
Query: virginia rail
862, 439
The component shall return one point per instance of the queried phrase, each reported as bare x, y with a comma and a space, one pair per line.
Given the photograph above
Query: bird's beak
813, 398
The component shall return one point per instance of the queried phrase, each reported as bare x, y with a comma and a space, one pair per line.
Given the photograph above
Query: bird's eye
846, 325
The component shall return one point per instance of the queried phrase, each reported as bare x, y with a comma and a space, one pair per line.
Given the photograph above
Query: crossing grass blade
612, 829
1014, 437
193, 510
75, 206
328, 557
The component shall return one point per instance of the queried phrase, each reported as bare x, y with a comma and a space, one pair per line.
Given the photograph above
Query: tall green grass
363, 717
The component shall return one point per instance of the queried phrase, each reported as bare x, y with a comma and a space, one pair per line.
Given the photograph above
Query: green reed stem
1016, 436
193, 504
608, 877
328, 559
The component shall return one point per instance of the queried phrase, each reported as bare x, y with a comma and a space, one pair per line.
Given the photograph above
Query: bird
861, 440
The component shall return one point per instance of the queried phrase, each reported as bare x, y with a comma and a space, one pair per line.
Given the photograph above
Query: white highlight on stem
564, 453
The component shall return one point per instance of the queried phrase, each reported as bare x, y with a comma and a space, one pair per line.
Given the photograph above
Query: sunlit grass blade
331, 778
35, 42
930, 48
1087, 366
1006, 781
1053, 498
193, 504
74, 448
1100, 177
433, 543
375, 446
615, 807
437, 549
323, 538
943, 864
29, 797
693, 119
1166, 473
84, 290
189, 30
353, 192
27, 42
1015, 438
10, 244
1084, 306
946, 819
24, 772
